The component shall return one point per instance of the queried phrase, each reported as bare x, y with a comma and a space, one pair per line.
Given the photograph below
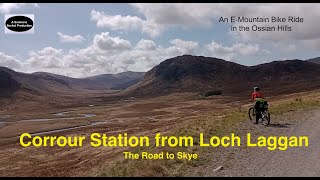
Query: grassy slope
215, 124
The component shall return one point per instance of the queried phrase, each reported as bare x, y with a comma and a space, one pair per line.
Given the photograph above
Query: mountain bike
264, 115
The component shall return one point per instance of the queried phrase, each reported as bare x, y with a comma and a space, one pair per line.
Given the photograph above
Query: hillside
72, 83
189, 73
180, 74
117, 81
8, 84
42, 82
41, 88
288, 76
315, 60
100, 82
197, 73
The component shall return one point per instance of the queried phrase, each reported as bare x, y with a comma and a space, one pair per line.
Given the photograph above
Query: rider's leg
257, 109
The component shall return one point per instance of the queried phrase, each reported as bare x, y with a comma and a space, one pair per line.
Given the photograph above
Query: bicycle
264, 115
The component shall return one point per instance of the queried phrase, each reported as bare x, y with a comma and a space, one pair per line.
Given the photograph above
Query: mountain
42, 83
189, 73
179, 74
118, 81
8, 84
315, 60
288, 76
100, 82
197, 73
41, 89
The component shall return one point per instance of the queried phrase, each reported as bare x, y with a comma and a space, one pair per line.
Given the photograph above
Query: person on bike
258, 98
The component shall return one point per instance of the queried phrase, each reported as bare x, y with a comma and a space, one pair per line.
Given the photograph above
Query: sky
82, 40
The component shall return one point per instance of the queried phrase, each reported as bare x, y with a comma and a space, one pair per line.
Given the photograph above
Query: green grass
293, 105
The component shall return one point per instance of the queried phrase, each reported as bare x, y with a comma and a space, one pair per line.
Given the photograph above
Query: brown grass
103, 161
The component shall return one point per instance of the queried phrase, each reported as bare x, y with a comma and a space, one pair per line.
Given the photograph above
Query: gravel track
259, 161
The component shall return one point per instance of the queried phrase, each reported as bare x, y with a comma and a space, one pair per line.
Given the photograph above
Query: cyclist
258, 97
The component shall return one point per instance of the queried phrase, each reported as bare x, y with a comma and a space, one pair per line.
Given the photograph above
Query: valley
169, 99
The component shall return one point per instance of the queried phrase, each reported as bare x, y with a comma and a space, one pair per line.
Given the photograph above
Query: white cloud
127, 23
172, 14
151, 28
116, 22
146, 45
246, 49
285, 46
230, 53
48, 57
300, 31
8, 7
188, 45
181, 47
201, 15
70, 39
9, 61
107, 54
105, 42
161, 16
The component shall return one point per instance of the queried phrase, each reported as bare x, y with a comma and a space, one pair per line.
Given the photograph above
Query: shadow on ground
280, 125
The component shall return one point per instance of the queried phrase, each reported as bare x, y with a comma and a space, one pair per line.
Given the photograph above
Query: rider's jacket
255, 95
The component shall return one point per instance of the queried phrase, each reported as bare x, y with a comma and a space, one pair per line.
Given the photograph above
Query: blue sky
81, 40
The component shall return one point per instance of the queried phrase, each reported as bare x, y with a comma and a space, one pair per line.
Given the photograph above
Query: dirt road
295, 161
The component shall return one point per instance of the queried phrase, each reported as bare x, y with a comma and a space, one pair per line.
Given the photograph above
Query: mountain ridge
198, 73
43, 82
184, 73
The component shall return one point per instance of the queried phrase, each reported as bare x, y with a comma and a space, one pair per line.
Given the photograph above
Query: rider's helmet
256, 88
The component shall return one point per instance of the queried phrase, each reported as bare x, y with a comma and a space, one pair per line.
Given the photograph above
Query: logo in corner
19, 24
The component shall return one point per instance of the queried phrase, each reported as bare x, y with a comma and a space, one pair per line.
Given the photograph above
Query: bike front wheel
252, 115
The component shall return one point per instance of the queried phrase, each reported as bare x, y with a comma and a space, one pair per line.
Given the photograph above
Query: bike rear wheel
265, 118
